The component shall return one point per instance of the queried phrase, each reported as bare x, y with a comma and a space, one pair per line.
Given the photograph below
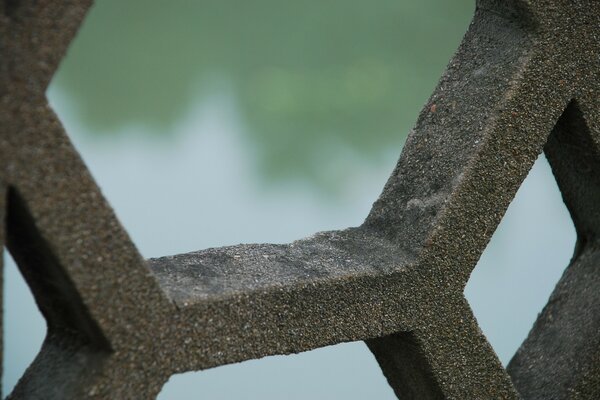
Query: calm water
219, 122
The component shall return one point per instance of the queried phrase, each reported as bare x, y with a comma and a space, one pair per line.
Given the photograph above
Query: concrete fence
525, 79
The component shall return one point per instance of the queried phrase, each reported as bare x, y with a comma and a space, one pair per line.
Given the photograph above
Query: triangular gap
559, 358
342, 371
24, 326
73, 341
522, 263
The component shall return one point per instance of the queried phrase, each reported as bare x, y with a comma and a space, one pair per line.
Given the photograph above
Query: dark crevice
405, 366
575, 162
11, 7
53, 290
515, 12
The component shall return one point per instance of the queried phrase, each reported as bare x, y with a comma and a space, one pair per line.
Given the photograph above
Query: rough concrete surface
525, 79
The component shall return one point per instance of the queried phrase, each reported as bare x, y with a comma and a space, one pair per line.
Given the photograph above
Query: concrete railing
525, 79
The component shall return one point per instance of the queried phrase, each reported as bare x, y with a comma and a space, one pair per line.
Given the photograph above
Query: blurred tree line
307, 76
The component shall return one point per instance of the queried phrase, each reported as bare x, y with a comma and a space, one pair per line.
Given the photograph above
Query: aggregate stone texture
525, 80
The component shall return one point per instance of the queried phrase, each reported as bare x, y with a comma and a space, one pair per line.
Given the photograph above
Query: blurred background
217, 122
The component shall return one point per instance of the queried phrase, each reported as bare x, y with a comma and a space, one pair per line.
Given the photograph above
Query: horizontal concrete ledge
329, 256
249, 301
